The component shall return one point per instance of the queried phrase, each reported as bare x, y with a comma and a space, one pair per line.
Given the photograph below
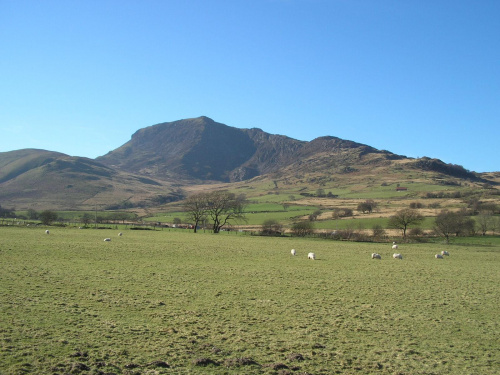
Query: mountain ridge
160, 160
202, 149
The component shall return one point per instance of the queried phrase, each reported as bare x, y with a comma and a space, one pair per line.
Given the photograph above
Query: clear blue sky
415, 77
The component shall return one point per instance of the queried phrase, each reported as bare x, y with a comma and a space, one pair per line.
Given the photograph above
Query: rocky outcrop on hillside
202, 149
436, 165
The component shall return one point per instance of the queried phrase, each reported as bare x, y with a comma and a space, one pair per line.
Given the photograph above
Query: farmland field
172, 302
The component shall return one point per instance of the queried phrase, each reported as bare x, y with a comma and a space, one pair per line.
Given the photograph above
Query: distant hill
162, 160
15, 163
39, 179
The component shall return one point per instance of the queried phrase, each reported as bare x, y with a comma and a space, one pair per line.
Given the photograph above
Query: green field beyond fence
167, 302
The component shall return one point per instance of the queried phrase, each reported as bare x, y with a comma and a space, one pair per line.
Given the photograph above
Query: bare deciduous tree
447, 223
221, 206
196, 208
485, 221
224, 207
405, 218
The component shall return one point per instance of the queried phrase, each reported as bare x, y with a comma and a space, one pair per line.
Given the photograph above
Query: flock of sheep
105, 240
309, 256
313, 255
400, 256
378, 256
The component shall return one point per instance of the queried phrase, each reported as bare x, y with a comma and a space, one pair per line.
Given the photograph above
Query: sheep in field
107, 239
376, 256
438, 256
394, 246
311, 256
47, 231
397, 256
444, 252
293, 252
120, 234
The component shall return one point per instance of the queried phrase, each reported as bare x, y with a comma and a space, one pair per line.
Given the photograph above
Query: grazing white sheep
395, 246
397, 256
293, 252
376, 256
444, 252
107, 239
47, 231
311, 256
438, 256
120, 234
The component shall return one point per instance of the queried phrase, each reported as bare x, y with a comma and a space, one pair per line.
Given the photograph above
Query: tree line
48, 217
446, 224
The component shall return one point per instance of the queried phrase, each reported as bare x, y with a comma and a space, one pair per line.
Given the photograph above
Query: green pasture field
389, 191
166, 217
283, 217
255, 214
175, 302
275, 207
275, 198
415, 189
478, 241
368, 192
366, 223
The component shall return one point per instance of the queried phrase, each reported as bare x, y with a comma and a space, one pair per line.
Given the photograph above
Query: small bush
302, 228
47, 217
342, 212
271, 227
415, 205
378, 233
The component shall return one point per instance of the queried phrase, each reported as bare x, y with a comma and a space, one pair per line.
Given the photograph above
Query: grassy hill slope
42, 179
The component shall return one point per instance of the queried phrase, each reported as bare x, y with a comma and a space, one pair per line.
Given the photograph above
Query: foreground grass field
165, 302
